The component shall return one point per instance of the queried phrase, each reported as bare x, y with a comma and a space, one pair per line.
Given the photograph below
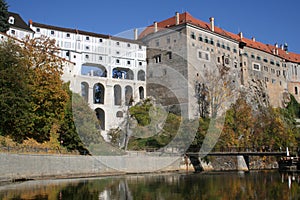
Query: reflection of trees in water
255, 185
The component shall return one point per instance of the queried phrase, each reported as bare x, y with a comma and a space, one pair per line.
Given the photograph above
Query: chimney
253, 39
241, 35
135, 33
281, 47
30, 23
212, 23
155, 27
177, 18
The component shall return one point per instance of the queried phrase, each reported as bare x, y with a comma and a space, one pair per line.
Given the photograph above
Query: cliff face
259, 94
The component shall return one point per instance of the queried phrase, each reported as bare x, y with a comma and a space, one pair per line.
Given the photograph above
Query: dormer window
11, 20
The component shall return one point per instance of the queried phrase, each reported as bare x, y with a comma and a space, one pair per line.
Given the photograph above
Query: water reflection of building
290, 178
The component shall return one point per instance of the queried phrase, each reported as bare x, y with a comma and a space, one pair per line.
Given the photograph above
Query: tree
15, 92
239, 125
47, 94
215, 91
4, 25
68, 135
32, 96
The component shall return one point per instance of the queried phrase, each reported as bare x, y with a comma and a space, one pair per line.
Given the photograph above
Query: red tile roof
186, 18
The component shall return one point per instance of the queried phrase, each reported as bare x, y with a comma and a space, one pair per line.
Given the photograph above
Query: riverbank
18, 167
30, 166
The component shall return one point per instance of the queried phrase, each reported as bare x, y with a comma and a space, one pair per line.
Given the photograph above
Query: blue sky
269, 21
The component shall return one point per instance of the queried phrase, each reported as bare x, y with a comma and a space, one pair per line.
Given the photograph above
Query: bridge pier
242, 163
196, 163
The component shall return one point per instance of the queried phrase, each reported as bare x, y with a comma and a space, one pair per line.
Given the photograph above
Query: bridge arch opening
85, 91
128, 95
141, 75
123, 73
141, 92
99, 92
101, 117
93, 70
118, 95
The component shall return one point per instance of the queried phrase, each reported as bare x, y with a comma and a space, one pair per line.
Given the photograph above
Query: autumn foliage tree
47, 93
32, 95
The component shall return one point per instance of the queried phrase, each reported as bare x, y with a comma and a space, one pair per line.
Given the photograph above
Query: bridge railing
248, 149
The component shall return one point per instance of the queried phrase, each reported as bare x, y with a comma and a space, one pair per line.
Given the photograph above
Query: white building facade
108, 72
18, 28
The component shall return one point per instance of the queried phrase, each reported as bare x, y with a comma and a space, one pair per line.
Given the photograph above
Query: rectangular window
87, 38
140, 63
157, 43
38, 29
52, 32
118, 61
256, 66
273, 71
266, 79
199, 54
168, 40
157, 59
68, 35
203, 55
13, 32
170, 55
193, 35
100, 57
278, 72
100, 40
206, 56
128, 62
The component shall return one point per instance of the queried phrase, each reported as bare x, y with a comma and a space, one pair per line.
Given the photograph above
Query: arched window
99, 92
118, 95
85, 91
141, 92
141, 75
129, 75
101, 117
119, 114
128, 95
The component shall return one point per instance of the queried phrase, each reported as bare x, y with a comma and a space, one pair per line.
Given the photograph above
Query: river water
214, 185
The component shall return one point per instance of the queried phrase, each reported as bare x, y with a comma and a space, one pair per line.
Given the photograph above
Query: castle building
18, 27
108, 72
169, 60
191, 46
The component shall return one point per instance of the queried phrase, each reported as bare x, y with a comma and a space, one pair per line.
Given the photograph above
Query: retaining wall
24, 166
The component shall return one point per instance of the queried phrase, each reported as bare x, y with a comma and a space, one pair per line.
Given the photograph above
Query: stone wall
23, 166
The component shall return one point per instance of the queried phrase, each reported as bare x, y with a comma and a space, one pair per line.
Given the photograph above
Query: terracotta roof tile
187, 18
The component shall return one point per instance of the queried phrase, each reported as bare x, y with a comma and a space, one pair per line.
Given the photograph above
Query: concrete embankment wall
23, 166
